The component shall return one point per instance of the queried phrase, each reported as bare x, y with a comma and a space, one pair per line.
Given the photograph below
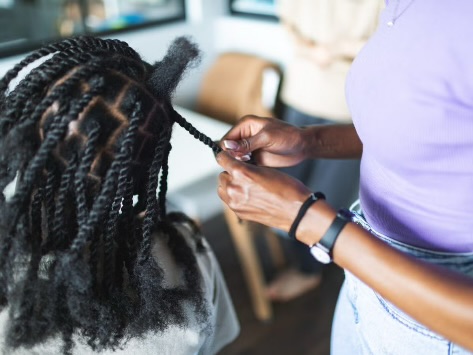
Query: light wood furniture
243, 234
236, 85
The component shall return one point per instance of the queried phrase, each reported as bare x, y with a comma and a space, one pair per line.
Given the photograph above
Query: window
259, 8
26, 24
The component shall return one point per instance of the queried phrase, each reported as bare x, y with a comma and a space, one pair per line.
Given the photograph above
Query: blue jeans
365, 323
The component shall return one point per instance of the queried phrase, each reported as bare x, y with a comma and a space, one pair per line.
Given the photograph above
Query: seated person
83, 268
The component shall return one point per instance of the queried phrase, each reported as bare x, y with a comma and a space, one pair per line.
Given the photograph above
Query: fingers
227, 190
235, 181
223, 181
240, 150
242, 145
227, 162
233, 185
245, 127
243, 138
246, 145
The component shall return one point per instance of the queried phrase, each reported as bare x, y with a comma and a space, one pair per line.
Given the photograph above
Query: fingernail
231, 145
243, 157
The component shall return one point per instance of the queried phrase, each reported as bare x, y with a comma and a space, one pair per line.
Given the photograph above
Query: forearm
339, 141
439, 298
435, 296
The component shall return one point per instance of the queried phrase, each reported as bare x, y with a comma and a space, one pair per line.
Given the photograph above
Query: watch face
320, 255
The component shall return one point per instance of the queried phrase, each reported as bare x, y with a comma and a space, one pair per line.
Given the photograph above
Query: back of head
83, 133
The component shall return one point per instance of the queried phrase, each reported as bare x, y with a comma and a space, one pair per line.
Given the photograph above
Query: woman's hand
260, 194
271, 142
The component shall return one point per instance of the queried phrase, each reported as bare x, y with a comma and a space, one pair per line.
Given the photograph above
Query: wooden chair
238, 84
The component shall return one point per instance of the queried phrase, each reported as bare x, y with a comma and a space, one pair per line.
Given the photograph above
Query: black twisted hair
82, 133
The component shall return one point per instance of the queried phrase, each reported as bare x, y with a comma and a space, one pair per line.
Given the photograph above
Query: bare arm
276, 143
433, 295
438, 298
339, 141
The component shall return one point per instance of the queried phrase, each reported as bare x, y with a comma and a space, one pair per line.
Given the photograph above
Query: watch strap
327, 241
314, 197
330, 236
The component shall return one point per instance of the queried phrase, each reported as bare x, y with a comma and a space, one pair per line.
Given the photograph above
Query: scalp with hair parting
84, 132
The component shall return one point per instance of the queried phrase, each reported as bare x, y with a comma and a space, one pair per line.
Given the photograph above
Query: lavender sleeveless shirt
410, 92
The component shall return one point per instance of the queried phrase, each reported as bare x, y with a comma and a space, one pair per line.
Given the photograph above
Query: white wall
213, 30
251, 35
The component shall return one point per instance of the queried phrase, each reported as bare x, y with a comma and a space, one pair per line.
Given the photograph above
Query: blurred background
148, 26
245, 50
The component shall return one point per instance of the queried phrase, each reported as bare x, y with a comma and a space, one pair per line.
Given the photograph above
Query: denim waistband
461, 262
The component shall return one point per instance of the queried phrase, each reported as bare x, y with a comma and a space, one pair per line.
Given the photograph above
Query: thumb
227, 162
244, 145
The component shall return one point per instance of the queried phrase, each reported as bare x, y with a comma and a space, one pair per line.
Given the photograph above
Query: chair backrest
238, 84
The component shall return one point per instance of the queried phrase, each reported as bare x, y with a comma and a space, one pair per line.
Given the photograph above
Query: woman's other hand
271, 142
260, 194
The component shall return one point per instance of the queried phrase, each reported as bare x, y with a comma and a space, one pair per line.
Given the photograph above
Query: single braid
163, 183
49, 199
80, 180
36, 219
127, 227
124, 158
80, 184
57, 233
151, 202
181, 121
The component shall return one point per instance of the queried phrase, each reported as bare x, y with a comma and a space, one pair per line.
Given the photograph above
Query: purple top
410, 92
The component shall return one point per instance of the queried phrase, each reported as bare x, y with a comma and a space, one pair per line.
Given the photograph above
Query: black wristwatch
322, 251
